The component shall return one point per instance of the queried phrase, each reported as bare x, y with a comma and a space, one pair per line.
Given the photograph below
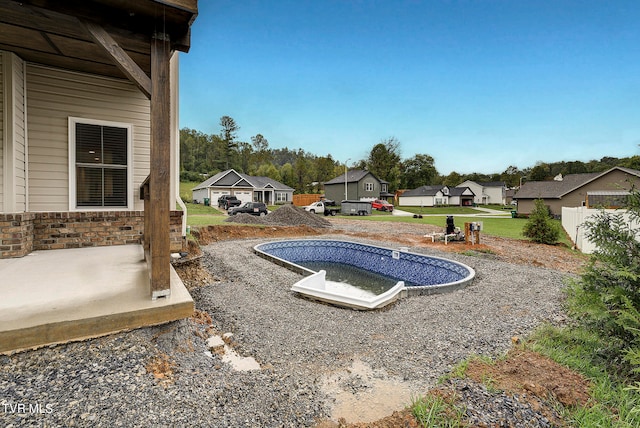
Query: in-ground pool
415, 274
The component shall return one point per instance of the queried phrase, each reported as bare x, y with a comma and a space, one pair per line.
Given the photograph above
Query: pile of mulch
287, 215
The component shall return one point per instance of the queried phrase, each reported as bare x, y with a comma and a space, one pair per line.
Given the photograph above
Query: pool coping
303, 286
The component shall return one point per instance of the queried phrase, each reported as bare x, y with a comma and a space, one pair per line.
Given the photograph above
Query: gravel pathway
300, 344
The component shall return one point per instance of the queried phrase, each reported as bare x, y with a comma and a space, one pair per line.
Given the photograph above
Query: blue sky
477, 84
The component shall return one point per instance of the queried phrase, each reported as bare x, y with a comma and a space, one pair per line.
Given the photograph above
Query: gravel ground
161, 376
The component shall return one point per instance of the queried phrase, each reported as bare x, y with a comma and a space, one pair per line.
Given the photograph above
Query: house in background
245, 187
486, 193
438, 195
88, 167
599, 189
356, 184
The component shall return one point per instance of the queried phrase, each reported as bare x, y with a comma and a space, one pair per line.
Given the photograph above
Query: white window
100, 165
368, 187
281, 197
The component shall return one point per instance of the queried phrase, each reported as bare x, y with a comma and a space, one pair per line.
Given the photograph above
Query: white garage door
214, 197
244, 196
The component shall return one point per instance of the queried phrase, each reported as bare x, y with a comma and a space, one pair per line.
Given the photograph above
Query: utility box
356, 207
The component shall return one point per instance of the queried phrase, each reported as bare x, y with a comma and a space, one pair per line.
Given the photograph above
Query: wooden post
160, 176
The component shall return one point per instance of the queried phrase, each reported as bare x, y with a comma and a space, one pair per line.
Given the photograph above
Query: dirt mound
287, 215
244, 218
209, 234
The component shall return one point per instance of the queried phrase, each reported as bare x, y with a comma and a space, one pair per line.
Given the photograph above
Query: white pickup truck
321, 207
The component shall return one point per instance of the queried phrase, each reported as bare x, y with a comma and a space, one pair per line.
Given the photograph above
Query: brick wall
24, 232
16, 234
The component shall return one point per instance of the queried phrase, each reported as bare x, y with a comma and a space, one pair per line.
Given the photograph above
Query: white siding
200, 194
416, 201
52, 96
19, 137
12, 134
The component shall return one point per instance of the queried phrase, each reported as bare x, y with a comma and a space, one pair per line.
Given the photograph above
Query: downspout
175, 68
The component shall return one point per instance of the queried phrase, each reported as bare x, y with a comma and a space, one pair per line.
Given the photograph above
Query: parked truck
323, 207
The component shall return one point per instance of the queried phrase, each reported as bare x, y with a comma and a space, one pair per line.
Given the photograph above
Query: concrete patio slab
57, 296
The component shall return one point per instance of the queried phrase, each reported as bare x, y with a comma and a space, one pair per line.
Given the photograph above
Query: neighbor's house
356, 184
439, 195
245, 187
486, 193
600, 189
88, 161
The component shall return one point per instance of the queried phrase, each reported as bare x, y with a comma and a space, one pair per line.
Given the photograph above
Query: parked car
228, 201
381, 205
253, 208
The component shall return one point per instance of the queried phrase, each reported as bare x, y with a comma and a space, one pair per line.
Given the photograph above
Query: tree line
203, 155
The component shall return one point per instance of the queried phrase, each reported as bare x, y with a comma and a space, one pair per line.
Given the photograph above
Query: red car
381, 205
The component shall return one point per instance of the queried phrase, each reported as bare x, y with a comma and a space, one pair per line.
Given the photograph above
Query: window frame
73, 203
367, 184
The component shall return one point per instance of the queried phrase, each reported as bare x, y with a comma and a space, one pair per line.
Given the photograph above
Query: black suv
227, 201
253, 208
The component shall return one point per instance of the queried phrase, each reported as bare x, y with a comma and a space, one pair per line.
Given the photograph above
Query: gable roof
551, 189
353, 176
266, 182
231, 178
460, 191
424, 191
433, 191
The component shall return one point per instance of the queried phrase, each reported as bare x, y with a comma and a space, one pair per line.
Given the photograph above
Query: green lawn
185, 190
440, 210
506, 227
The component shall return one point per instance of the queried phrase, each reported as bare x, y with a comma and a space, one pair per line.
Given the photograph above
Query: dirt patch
527, 372
210, 234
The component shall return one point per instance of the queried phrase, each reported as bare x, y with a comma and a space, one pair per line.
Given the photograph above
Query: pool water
343, 273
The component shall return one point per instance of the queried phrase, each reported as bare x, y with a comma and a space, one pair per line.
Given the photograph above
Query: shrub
606, 297
541, 227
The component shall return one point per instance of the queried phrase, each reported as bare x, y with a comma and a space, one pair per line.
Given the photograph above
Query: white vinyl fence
572, 222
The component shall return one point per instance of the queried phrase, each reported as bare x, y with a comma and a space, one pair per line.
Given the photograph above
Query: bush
606, 298
541, 227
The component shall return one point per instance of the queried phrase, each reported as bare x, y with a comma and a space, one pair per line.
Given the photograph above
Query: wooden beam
120, 57
160, 177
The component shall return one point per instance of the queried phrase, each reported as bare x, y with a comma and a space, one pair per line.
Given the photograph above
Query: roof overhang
57, 33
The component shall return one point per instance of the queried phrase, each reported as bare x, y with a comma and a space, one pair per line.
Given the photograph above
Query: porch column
160, 165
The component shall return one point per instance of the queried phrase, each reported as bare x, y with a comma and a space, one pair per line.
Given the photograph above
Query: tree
261, 149
287, 176
606, 297
511, 176
540, 172
418, 171
268, 170
384, 161
228, 136
541, 227
453, 179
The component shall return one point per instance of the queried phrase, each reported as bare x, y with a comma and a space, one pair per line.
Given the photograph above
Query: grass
506, 227
444, 210
435, 411
614, 405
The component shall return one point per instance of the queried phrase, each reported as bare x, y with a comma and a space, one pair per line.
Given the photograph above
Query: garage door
215, 196
244, 196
